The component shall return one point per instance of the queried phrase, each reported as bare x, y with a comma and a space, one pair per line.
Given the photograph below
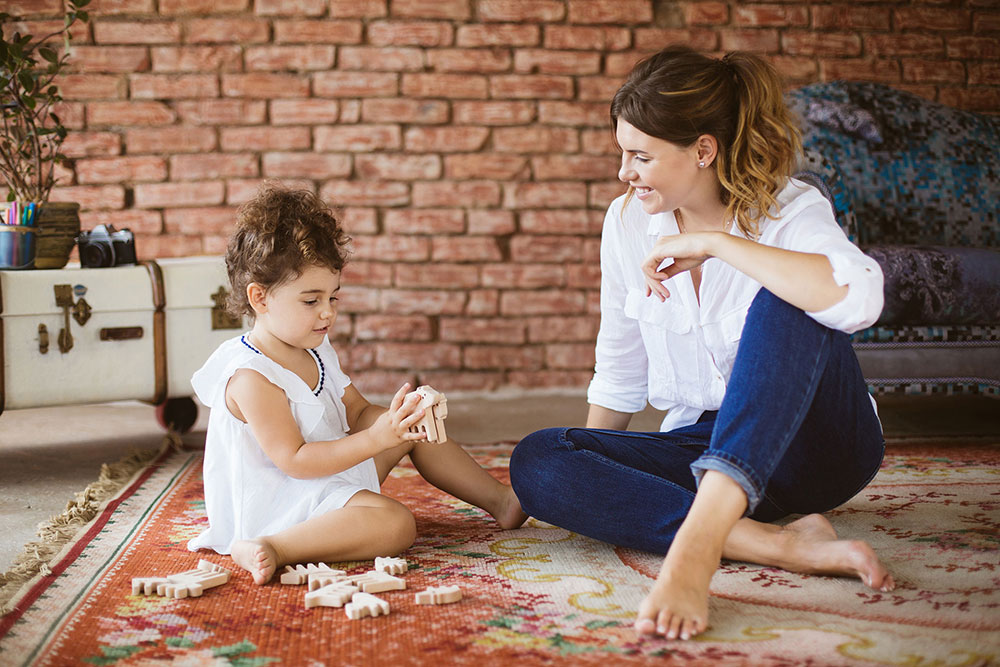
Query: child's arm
360, 413
264, 406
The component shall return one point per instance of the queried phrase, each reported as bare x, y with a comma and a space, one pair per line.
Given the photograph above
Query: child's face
302, 311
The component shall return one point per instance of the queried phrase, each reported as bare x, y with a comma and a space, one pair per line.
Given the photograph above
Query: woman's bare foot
677, 606
811, 546
509, 513
256, 557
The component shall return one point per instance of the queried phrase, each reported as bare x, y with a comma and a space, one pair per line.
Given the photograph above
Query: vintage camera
106, 246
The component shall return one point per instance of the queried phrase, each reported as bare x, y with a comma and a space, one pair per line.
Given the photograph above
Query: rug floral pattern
537, 595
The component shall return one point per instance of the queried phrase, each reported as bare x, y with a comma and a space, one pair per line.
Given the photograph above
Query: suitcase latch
221, 318
43, 339
81, 313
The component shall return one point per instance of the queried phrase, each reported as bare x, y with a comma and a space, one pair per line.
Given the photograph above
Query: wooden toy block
364, 604
435, 407
299, 574
377, 582
321, 579
183, 584
331, 595
439, 595
390, 565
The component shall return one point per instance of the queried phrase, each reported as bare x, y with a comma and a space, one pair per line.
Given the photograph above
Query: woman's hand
688, 251
392, 428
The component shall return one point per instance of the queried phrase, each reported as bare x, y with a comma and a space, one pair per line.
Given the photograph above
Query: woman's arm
605, 418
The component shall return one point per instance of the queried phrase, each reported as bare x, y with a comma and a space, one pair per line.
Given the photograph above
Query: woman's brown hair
679, 95
279, 233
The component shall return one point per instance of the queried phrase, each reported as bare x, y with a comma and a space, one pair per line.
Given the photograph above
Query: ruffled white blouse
246, 495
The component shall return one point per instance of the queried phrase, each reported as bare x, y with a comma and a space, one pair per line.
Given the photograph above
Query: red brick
227, 31
390, 248
843, 17
938, 19
600, 195
137, 220
79, 32
563, 329
359, 220
569, 356
904, 45
465, 249
304, 112
523, 276
321, 31
580, 221
173, 86
107, 59
586, 275
129, 113
164, 195
289, 58
547, 61
358, 138
92, 144
385, 58
221, 112
369, 274
534, 248
350, 111
597, 88
536, 139
598, 142
520, 11
72, 114
393, 327
592, 252
482, 330
360, 300
134, 32
583, 167
550, 379
452, 276
252, 139
777, 16
483, 303
448, 86
449, 139
290, 7
760, 40
173, 139
796, 69
541, 302
116, 7
265, 85
973, 47
410, 33
485, 165
824, 43
457, 10
985, 22
217, 219
167, 245
359, 193
306, 165
197, 58
418, 355
653, 39
202, 6
397, 167
424, 221
463, 194
942, 71
879, 71
984, 100
590, 114
91, 196
360, 9
569, 194
493, 113
404, 111
621, 12
503, 34
123, 169
381, 383
619, 64
422, 302
706, 13
502, 357
480, 61
492, 222
984, 73
531, 86
463, 381
587, 38
355, 84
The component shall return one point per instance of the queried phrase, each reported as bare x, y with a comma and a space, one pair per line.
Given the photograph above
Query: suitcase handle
121, 333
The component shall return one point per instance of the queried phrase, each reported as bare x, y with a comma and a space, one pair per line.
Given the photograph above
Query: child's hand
392, 428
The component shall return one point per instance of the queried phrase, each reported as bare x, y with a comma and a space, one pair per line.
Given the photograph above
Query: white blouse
678, 354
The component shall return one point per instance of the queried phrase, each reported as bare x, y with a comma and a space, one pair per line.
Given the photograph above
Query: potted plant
32, 132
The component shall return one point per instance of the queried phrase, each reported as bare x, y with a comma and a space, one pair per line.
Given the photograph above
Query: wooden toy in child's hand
299, 574
435, 407
439, 595
390, 565
183, 584
331, 595
364, 604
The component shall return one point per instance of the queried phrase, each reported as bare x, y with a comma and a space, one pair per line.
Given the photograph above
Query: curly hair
280, 233
679, 95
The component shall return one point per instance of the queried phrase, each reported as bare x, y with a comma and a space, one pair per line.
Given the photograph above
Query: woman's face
663, 174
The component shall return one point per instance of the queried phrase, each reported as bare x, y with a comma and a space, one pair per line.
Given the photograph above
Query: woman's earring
701, 165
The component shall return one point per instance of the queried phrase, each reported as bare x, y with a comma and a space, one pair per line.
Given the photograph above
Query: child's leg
450, 468
369, 525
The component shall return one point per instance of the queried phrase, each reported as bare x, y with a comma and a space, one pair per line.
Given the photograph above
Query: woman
728, 293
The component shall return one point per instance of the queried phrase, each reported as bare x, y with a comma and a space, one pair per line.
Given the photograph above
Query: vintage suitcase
77, 335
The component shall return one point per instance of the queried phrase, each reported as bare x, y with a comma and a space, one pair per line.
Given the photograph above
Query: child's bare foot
677, 606
812, 547
509, 513
256, 557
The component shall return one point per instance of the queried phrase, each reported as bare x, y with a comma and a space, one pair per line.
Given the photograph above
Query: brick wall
466, 139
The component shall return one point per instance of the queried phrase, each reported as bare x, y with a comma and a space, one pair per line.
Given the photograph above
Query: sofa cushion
939, 285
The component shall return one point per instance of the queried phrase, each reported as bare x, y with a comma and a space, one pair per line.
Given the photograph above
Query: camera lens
97, 254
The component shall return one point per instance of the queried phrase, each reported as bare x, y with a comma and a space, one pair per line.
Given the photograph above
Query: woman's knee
530, 464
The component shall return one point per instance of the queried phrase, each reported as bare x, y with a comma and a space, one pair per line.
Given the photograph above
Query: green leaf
83, 16
48, 54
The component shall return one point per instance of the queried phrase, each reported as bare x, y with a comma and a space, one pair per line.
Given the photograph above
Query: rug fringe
55, 533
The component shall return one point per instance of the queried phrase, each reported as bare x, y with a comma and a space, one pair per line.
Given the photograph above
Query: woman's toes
645, 626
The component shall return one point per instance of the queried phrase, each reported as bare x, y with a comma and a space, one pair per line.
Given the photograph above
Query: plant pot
58, 226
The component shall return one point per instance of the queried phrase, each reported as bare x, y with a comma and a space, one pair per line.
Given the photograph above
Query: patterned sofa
916, 185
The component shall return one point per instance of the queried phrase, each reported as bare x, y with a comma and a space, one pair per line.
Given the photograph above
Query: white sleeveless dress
246, 495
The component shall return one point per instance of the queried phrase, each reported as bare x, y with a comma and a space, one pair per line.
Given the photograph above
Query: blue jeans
796, 430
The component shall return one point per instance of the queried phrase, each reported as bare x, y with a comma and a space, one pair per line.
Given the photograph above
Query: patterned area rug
537, 595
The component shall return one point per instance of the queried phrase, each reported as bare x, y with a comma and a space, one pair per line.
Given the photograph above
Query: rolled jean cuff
735, 470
